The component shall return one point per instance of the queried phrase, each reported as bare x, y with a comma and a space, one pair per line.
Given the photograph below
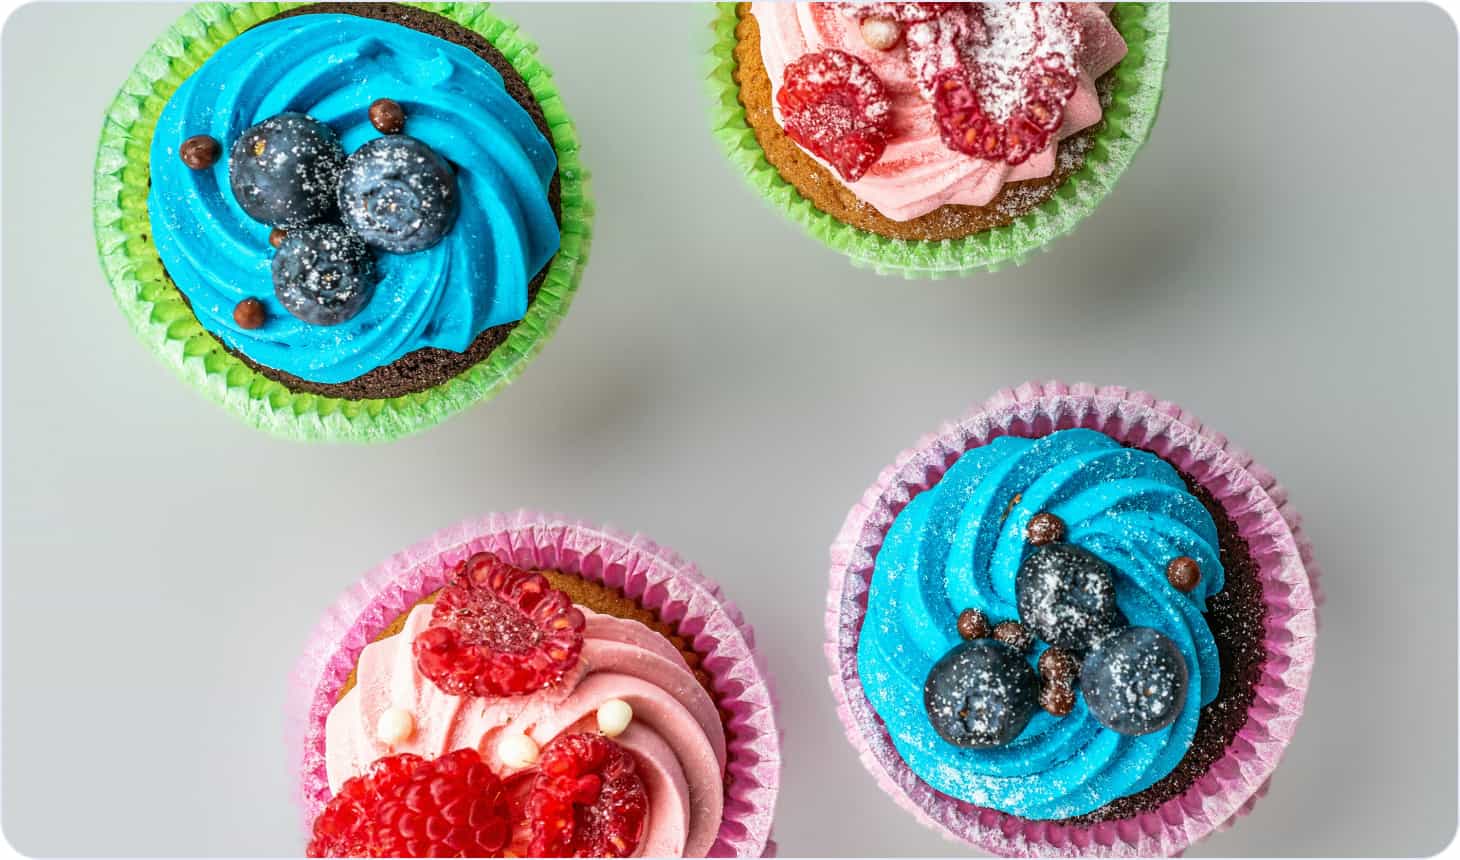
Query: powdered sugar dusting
1021, 36
999, 41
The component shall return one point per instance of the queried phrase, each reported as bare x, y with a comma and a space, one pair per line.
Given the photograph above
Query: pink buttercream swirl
918, 172
676, 735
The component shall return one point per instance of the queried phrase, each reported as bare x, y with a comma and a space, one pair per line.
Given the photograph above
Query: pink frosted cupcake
936, 139
529, 685
1074, 622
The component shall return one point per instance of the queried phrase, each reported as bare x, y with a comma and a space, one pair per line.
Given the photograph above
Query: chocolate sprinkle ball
1183, 573
973, 624
1057, 697
1045, 528
200, 152
1015, 635
1057, 664
428, 366
387, 116
1235, 616
249, 313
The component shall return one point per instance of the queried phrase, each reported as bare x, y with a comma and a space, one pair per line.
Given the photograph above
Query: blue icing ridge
953, 548
332, 67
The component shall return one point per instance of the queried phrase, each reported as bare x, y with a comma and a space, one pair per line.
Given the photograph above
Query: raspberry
966, 128
998, 74
587, 800
499, 631
836, 108
407, 806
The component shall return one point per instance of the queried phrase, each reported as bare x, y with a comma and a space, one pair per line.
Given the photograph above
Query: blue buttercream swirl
959, 544
332, 67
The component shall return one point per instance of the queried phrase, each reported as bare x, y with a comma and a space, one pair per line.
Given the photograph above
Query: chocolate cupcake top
453, 206
1098, 695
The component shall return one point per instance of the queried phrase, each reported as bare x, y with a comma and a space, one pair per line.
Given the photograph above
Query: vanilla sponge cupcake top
628, 679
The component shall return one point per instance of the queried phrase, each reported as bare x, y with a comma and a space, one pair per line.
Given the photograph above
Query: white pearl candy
394, 726
614, 716
881, 34
518, 751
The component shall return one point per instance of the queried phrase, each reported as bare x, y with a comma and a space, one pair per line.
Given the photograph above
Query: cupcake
936, 139
342, 221
529, 685
1073, 622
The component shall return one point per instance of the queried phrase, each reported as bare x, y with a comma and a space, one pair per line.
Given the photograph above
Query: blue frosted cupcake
1073, 671
1073, 622
355, 219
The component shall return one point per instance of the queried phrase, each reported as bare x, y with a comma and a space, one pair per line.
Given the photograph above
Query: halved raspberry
998, 74
966, 128
407, 806
587, 801
836, 108
499, 631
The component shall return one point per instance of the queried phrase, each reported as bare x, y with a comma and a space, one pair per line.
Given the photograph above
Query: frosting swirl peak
959, 545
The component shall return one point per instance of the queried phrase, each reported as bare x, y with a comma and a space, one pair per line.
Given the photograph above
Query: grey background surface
1280, 260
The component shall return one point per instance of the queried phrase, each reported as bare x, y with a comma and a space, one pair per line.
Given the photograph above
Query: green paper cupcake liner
161, 319
1135, 97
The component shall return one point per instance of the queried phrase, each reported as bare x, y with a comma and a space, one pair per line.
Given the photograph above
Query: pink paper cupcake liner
1249, 494
656, 577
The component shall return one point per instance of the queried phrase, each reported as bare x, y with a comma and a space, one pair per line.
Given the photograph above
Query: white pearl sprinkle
881, 34
518, 751
394, 726
614, 716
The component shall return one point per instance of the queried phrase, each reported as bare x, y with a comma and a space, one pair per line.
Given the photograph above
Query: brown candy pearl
973, 624
1057, 664
1015, 635
1045, 528
277, 236
200, 152
387, 116
881, 34
1183, 573
249, 313
1057, 697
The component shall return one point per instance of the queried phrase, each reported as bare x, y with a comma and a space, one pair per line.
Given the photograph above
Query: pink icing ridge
918, 173
1250, 495
654, 576
620, 660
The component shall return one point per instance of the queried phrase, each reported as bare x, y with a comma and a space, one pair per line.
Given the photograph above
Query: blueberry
1135, 682
284, 170
398, 194
1066, 595
323, 274
981, 694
